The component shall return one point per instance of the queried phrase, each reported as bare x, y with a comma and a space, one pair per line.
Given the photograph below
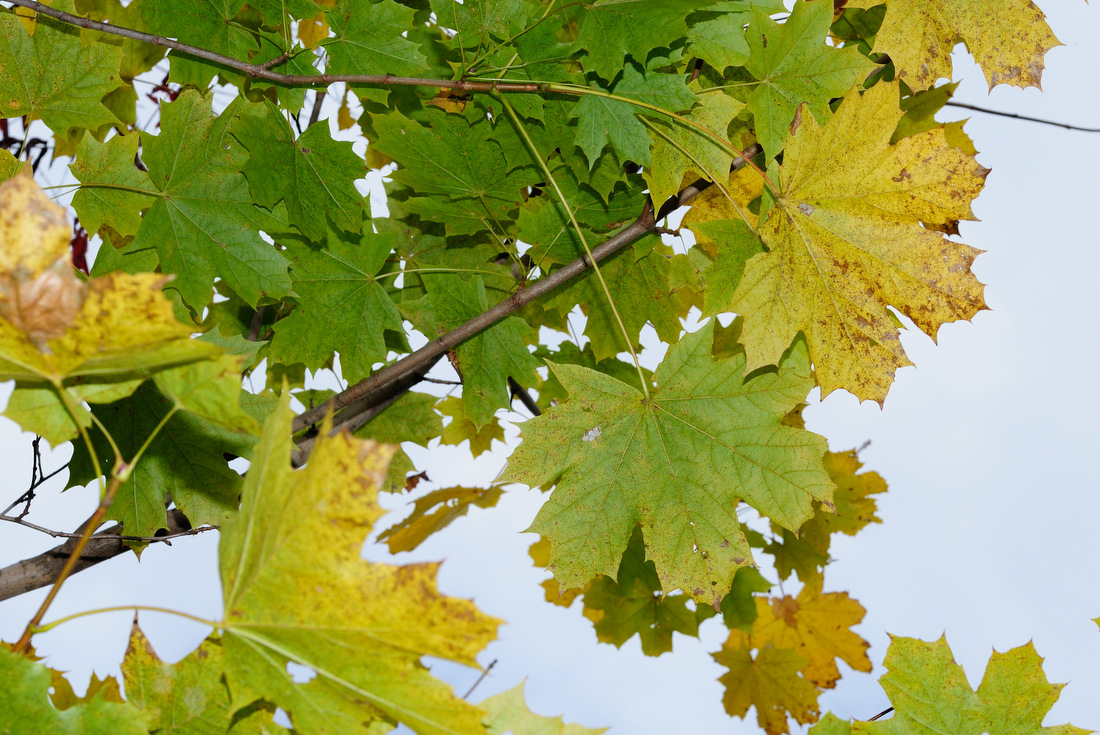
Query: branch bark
42, 570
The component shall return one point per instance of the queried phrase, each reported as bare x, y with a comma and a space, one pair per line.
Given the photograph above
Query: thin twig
166, 539
885, 712
318, 103
986, 110
480, 678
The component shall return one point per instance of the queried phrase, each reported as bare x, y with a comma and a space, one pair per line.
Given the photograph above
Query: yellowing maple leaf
769, 682
1008, 38
508, 713
296, 589
816, 626
846, 243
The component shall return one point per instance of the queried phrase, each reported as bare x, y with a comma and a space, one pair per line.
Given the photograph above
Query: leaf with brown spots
1008, 38
770, 682
846, 244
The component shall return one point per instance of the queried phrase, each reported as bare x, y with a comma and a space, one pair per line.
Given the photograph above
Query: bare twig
480, 679
256, 325
318, 103
165, 539
987, 111
42, 570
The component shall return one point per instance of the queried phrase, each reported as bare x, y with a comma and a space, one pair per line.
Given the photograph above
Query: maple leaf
717, 32
202, 224
669, 159
56, 76
189, 695
313, 174
25, 700
342, 307
612, 30
370, 39
361, 627
846, 241
633, 604
184, 459
769, 682
462, 428
604, 120
476, 21
676, 463
807, 551
814, 624
508, 713
445, 506
1008, 38
795, 66
930, 694
117, 191
454, 168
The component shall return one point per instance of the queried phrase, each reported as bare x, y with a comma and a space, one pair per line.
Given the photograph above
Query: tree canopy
535, 155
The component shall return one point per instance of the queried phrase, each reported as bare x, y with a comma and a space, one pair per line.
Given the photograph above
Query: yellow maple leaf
770, 682
847, 241
296, 589
311, 31
1008, 38
814, 625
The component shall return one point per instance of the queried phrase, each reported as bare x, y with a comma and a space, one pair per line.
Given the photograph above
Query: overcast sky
988, 445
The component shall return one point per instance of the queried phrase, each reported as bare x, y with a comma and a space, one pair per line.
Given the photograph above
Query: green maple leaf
369, 39
508, 713
717, 32
313, 174
25, 702
486, 360
676, 463
632, 604
930, 694
462, 428
115, 190
296, 589
341, 306
638, 279
203, 226
612, 30
689, 151
794, 66
188, 697
478, 20
55, 76
454, 168
208, 24
275, 12
603, 120
184, 460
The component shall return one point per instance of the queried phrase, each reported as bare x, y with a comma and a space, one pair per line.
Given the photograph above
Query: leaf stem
580, 234
120, 608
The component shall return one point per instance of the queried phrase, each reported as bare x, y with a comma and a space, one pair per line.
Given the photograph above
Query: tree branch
42, 570
431, 351
1013, 115
259, 71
